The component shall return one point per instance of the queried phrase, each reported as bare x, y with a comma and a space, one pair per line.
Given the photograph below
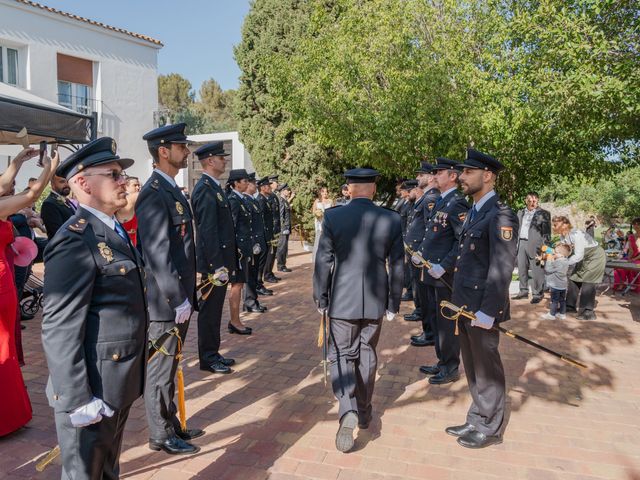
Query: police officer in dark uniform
165, 230
414, 237
405, 209
57, 208
216, 253
274, 205
94, 327
236, 186
259, 243
351, 284
264, 190
486, 258
440, 248
285, 228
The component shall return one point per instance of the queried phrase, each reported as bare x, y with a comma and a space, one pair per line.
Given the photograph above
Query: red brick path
273, 418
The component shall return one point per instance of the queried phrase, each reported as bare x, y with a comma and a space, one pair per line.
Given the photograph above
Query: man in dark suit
534, 231
165, 230
264, 190
57, 208
440, 248
259, 247
351, 284
285, 228
95, 317
486, 257
274, 205
404, 208
216, 255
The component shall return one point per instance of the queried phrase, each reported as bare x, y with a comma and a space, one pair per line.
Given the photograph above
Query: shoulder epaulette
155, 184
78, 226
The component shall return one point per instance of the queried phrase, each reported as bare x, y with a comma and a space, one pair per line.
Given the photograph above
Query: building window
9, 65
75, 96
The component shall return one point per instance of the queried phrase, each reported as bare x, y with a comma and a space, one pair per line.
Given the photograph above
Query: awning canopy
44, 120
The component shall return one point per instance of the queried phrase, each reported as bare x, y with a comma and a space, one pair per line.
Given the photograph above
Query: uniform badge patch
472, 246
462, 216
220, 199
431, 205
105, 252
506, 233
179, 208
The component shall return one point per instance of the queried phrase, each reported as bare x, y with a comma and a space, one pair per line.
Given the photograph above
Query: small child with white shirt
555, 270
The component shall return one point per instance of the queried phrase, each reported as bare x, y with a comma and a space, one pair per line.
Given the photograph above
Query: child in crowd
555, 270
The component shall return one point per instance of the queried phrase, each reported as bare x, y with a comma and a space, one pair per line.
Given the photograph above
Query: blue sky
198, 35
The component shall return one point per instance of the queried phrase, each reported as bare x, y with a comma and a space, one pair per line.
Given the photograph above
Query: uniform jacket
165, 231
94, 329
242, 223
285, 215
486, 257
442, 233
405, 210
216, 239
267, 215
274, 203
421, 210
539, 230
54, 212
350, 276
257, 222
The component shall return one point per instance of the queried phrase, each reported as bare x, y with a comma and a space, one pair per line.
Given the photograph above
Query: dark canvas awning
44, 120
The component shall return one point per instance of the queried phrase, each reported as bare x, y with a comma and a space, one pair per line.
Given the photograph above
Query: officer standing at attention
351, 284
264, 190
95, 317
274, 205
165, 230
486, 257
405, 208
440, 248
216, 253
259, 246
285, 227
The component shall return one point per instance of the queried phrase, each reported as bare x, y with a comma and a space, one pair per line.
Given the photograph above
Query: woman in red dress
622, 277
15, 408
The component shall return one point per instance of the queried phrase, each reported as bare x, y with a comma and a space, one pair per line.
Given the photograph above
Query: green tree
216, 107
174, 92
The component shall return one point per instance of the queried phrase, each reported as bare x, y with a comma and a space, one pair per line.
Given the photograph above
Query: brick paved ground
273, 418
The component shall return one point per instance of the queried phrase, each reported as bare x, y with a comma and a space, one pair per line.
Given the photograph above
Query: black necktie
472, 214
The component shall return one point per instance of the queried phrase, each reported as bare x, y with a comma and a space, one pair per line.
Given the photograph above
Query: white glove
257, 249
322, 311
417, 260
90, 413
183, 312
436, 271
222, 274
286, 232
483, 320
389, 315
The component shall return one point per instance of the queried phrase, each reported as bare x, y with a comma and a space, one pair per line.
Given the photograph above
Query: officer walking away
95, 316
351, 285
57, 208
440, 248
285, 227
486, 257
264, 190
259, 245
535, 231
215, 253
165, 230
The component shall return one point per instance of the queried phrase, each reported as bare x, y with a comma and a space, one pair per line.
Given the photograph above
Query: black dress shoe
475, 439
520, 295
271, 279
406, 297
233, 329
190, 433
535, 300
422, 341
430, 369
460, 430
225, 361
257, 309
284, 269
412, 317
215, 367
442, 377
264, 291
173, 446
344, 437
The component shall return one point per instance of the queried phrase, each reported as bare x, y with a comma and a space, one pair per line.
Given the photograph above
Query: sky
198, 35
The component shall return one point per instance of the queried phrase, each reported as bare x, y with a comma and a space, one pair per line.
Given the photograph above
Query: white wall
125, 75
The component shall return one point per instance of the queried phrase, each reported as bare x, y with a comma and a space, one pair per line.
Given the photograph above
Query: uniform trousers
209, 320
270, 260
408, 280
262, 262
415, 278
447, 343
353, 363
485, 376
160, 385
283, 250
91, 452
427, 306
250, 286
527, 262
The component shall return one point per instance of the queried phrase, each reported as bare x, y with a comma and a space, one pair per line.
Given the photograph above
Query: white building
86, 66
